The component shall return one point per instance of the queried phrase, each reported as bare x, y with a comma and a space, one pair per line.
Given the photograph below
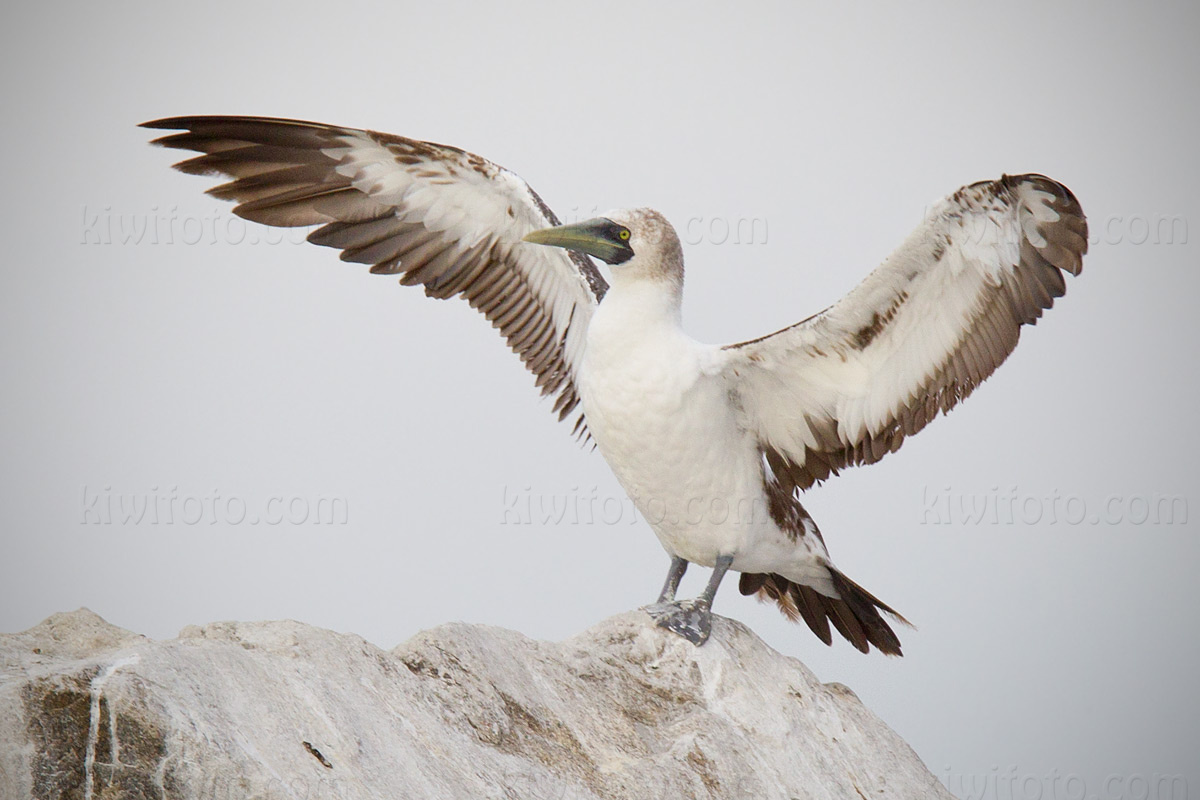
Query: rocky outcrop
283, 710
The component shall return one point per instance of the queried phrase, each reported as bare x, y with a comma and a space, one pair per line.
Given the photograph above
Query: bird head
636, 243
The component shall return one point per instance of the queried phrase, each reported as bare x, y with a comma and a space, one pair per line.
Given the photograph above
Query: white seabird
712, 443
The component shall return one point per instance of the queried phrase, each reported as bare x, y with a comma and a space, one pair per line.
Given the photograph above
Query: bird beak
594, 237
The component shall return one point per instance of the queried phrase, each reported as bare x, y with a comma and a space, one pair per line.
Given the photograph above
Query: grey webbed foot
691, 619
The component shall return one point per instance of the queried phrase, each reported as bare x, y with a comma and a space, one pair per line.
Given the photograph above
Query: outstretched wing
846, 386
440, 217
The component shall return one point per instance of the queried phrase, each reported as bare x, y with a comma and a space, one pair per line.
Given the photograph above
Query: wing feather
845, 386
438, 216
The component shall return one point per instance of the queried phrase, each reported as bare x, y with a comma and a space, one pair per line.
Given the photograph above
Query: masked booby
714, 444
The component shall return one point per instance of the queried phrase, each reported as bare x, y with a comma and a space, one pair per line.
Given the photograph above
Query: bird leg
691, 619
674, 576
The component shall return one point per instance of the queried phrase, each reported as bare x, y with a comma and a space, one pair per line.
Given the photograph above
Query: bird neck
636, 316
641, 309
638, 301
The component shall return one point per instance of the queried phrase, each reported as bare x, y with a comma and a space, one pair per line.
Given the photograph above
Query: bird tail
855, 612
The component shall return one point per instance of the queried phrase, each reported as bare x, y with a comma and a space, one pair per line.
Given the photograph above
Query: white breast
664, 423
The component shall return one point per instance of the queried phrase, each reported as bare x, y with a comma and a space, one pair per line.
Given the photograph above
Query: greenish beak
598, 237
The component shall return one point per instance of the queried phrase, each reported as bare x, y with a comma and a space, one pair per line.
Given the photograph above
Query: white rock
231, 711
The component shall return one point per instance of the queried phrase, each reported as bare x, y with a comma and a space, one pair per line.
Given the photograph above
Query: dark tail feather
855, 614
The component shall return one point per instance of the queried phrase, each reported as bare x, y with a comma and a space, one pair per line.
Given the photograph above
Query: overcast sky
155, 348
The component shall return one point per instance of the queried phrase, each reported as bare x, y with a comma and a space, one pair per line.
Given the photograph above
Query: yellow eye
624, 234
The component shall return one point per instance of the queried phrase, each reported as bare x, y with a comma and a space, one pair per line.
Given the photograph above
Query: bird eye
624, 234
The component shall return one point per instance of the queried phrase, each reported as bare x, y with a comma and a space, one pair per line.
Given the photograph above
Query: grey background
256, 369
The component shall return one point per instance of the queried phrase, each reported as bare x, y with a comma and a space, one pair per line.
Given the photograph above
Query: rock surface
231, 711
